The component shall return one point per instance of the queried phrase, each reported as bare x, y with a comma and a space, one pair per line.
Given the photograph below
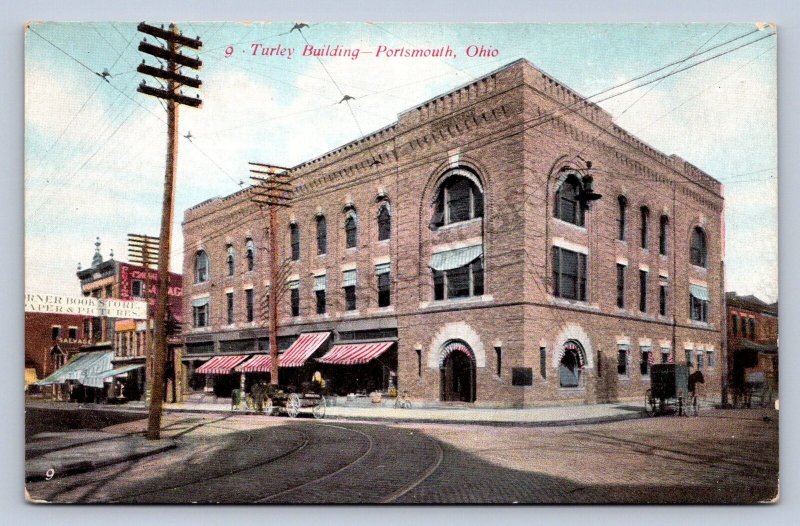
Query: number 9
228, 51
49, 474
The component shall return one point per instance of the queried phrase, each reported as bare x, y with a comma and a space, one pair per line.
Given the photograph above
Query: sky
94, 147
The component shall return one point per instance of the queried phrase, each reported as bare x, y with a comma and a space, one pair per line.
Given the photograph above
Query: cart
292, 403
669, 391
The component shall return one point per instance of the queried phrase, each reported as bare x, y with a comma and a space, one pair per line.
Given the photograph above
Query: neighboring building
446, 255
127, 338
752, 339
52, 339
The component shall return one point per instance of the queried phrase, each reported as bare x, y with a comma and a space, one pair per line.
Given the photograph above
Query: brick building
447, 255
752, 338
127, 338
52, 339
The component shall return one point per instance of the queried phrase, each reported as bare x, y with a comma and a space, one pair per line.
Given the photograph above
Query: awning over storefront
121, 370
220, 364
355, 353
83, 368
260, 363
302, 349
699, 292
749, 345
455, 258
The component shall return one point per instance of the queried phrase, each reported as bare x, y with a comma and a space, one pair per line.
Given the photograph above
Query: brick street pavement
721, 456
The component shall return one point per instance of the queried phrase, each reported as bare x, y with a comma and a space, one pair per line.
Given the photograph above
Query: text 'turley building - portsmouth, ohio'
447, 255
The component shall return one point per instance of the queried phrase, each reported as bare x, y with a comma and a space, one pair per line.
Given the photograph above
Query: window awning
382, 268
260, 363
455, 258
302, 349
349, 278
221, 364
320, 282
121, 370
699, 292
355, 353
294, 284
200, 302
83, 368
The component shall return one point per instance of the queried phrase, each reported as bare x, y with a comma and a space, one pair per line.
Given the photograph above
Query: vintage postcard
314, 263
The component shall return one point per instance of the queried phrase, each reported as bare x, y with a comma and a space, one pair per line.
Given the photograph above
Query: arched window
351, 230
663, 233
230, 261
459, 198
384, 222
567, 206
623, 207
322, 235
698, 249
201, 267
571, 365
294, 232
645, 225
250, 254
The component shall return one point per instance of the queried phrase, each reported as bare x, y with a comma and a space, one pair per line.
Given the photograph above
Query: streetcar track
327, 475
270, 460
425, 475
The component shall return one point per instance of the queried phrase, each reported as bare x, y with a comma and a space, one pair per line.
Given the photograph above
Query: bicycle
402, 401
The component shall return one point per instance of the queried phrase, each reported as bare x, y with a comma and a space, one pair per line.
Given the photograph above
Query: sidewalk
50, 455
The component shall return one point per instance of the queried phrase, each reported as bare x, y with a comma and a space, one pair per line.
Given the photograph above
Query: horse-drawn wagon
672, 390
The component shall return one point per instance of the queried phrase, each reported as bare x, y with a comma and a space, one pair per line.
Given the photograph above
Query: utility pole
144, 250
172, 74
274, 191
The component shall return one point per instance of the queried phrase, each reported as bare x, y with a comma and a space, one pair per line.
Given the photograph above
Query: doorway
458, 377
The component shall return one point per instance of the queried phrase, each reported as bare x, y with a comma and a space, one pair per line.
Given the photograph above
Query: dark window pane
438, 285
521, 376
623, 206
295, 300
645, 220
384, 290
643, 290
229, 298
622, 361
248, 294
698, 248
458, 282
322, 235
620, 286
477, 277
384, 223
644, 365
662, 300
459, 196
351, 231
320, 301
662, 235
295, 235
543, 362
350, 297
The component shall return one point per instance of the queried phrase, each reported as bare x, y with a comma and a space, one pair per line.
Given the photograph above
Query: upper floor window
384, 222
621, 220
645, 225
250, 254
294, 232
55, 332
137, 288
735, 325
460, 198
351, 230
698, 249
322, 235
752, 328
569, 274
230, 261
567, 206
201, 267
663, 229
698, 303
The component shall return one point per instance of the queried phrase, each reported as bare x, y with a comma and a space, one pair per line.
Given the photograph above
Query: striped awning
455, 258
84, 368
302, 349
220, 364
699, 292
355, 353
260, 363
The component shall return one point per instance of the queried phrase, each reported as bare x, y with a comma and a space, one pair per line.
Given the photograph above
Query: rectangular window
137, 288
295, 301
645, 226
569, 274
320, 294
710, 359
229, 304
438, 285
689, 363
72, 333
109, 291
599, 364
499, 354
620, 286
522, 376
662, 235
735, 325
460, 282
200, 315
700, 361
55, 332
543, 362
384, 290
622, 360
87, 328
643, 290
662, 300
419, 362
350, 297
664, 355
294, 233
752, 328
644, 366
97, 328
698, 309
248, 300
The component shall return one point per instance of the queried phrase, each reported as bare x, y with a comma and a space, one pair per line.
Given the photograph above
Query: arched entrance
570, 367
457, 368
